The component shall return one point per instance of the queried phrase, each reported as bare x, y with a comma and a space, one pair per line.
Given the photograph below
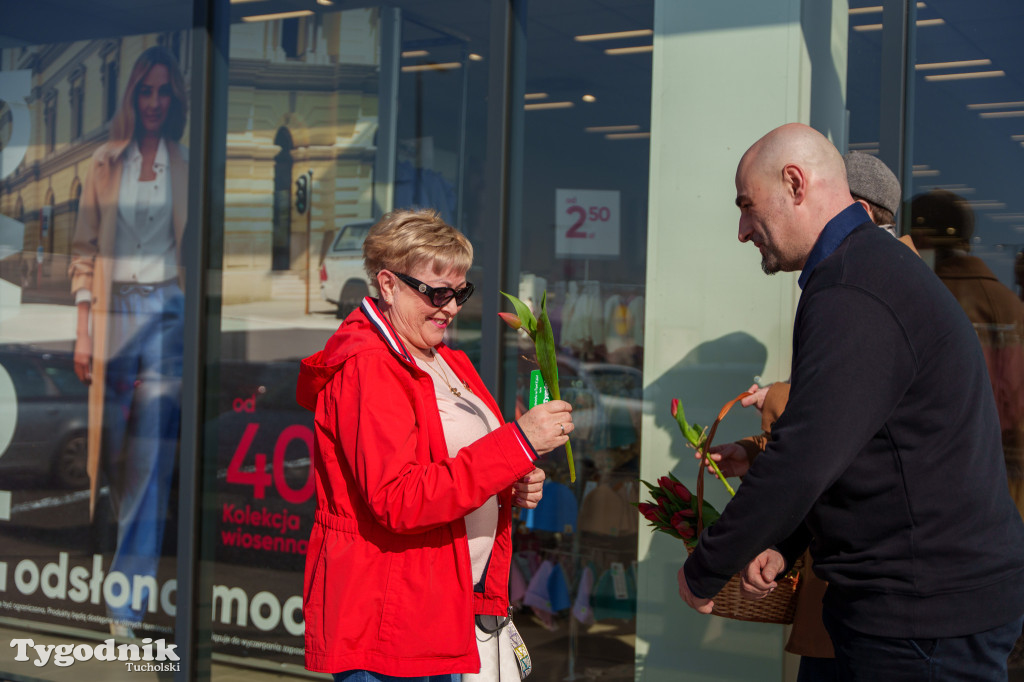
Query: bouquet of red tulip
674, 510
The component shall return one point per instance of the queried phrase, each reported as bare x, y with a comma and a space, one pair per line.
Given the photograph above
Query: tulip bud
675, 407
685, 530
511, 320
681, 490
665, 482
649, 511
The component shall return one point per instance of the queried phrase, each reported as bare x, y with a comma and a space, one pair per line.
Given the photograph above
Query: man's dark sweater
888, 457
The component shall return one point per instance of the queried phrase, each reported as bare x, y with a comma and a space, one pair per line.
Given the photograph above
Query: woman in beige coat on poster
126, 277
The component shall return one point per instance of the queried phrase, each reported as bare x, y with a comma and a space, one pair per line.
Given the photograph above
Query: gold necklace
444, 377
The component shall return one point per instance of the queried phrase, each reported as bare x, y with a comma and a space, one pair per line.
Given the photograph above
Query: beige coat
92, 256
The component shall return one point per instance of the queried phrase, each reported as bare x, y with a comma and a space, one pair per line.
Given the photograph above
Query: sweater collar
833, 234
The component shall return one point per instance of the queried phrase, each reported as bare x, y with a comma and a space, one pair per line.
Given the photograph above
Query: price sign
586, 223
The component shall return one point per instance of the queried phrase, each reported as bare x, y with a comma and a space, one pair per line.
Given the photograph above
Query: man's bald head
800, 145
789, 184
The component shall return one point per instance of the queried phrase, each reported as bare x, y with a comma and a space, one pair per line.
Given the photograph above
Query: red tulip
681, 490
665, 482
511, 320
675, 407
685, 530
649, 511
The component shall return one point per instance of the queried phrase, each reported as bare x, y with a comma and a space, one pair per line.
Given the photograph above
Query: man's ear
795, 182
867, 207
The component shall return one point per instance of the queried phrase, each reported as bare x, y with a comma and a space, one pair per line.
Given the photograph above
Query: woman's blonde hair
125, 126
403, 239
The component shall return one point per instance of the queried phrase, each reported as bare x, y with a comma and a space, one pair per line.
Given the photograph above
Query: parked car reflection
48, 407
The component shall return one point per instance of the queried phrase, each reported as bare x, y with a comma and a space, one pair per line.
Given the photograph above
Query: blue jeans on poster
981, 656
141, 418
368, 676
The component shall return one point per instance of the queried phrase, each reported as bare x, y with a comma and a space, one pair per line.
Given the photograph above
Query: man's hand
757, 396
758, 580
731, 458
696, 603
529, 489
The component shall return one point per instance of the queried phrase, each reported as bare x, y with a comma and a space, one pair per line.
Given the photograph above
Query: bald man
887, 461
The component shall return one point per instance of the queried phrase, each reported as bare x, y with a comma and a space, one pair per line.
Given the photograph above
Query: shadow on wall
710, 375
682, 641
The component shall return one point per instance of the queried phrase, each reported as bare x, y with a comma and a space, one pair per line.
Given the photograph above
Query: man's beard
770, 261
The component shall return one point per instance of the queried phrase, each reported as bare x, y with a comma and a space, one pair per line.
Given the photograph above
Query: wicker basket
779, 605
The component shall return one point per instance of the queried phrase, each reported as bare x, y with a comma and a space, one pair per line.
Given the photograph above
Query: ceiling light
959, 189
612, 129
613, 36
952, 65
868, 27
1008, 216
547, 105
442, 66
931, 22
535, 95
926, 173
630, 50
474, 57
327, 3
279, 15
866, 10
1017, 138
996, 105
1001, 114
627, 136
239, 2
414, 53
589, 98
964, 76
985, 204
863, 145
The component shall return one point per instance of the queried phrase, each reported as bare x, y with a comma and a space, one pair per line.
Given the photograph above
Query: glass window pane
579, 231
94, 199
967, 212
335, 117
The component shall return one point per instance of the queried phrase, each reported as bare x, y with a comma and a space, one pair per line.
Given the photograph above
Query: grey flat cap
869, 178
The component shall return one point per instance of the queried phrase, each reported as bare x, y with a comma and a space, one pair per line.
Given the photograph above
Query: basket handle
705, 448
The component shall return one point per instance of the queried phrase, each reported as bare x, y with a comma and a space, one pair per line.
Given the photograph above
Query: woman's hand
529, 489
83, 343
83, 358
548, 425
731, 458
756, 397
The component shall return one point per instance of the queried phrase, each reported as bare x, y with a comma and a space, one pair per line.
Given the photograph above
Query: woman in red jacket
415, 475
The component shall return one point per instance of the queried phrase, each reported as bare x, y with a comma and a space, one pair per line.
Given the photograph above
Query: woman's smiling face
420, 323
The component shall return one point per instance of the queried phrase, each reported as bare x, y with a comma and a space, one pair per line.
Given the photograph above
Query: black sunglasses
439, 296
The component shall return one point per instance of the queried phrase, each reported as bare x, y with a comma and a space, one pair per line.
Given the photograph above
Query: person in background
943, 223
416, 476
874, 443
126, 278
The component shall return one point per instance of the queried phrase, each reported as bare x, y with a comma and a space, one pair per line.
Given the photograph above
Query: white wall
724, 74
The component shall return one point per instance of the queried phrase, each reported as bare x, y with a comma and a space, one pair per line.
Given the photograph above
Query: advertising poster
94, 172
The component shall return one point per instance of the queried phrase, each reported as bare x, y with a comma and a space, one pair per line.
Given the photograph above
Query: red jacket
388, 584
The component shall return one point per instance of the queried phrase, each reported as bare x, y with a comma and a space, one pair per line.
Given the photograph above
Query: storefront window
579, 221
334, 118
94, 197
966, 213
